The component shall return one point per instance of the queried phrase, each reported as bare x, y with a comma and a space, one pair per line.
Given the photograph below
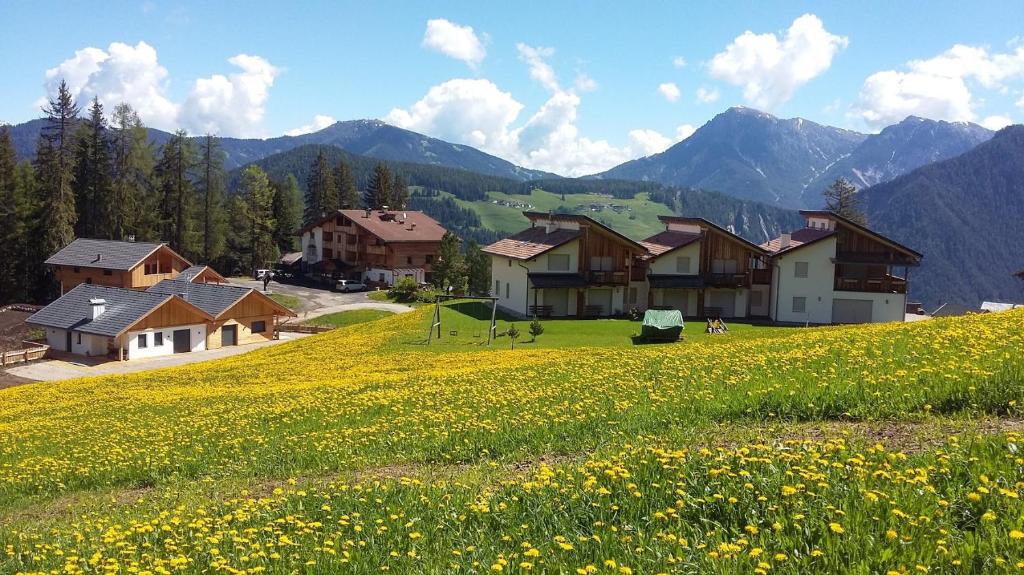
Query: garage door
851, 311
558, 299
675, 299
229, 335
182, 340
724, 302
601, 297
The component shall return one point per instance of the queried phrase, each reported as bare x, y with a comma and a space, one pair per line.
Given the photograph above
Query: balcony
377, 250
885, 284
726, 280
761, 276
608, 277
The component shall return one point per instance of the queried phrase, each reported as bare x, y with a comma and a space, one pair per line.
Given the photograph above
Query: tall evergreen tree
55, 172
259, 210
177, 195
321, 191
12, 229
841, 197
399, 197
348, 196
448, 270
478, 268
93, 190
287, 214
210, 188
133, 206
378, 192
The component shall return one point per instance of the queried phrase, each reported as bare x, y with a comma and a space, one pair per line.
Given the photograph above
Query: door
182, 340
675, 299
851, 311
603, 298
724, 302
558, 299
67, 344
229, 335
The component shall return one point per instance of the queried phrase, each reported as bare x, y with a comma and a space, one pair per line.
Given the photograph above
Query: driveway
317, 302
68, 366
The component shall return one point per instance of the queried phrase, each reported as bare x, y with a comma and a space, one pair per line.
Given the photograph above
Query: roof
392, 226
675, 281
797, 239
531, 243
713, 226
191, 273
554, 281
123, 308
854, 225
107, 254
533, 216
214, 299
290, 258
667, 241
999, 306
952, 309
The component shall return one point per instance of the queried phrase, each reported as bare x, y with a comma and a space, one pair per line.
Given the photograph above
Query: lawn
871, 449
289, 301
347, 318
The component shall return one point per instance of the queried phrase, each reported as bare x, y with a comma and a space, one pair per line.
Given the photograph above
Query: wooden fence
37, 351
301, 328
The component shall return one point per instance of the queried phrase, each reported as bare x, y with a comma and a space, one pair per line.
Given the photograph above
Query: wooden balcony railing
726, 280
763, 276
885, 284
608, 277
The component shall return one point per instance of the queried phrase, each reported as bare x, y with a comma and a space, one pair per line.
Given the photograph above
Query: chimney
131, 238
368, 212
97, 306
98, 258
784, 240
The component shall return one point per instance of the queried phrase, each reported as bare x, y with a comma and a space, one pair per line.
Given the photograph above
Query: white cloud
684, 131
459, 42
997, 122
232, 104
540, 70
706, 96
1020, 103
939, 88
647, 142
670, 91
770, 70
679, 62
121, 73
584, 83
319, 123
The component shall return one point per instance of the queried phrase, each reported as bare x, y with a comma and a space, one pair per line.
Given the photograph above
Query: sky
569, 87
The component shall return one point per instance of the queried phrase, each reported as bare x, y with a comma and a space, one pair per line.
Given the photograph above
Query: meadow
869, 449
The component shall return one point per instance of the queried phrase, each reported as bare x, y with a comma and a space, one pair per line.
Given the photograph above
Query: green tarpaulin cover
662, 324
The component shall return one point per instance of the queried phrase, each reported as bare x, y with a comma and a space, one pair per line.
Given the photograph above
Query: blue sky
571, 87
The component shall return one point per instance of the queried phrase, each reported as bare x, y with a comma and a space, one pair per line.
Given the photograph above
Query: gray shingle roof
108, 254
73, 311
214, 299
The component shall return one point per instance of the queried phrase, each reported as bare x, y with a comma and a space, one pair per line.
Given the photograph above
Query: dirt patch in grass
907, 436
13, 329
66, 506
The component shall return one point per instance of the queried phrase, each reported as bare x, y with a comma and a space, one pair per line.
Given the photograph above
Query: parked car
261, 273
350, 286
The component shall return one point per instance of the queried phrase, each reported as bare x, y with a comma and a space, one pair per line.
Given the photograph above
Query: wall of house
885, 307
642, 295
244, 331
131, 339
765, 308
594, 296
740, 298
666, 297
314, 236
817, 287
69, 278
57, 339
88, 344
667, 263
164, 259
509, 272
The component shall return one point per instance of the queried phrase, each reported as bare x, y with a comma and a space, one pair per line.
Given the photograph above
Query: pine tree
399, 197
93, 191
448, 270
842, 198
348, 196
259, 200
210, 189
287, 214
378, 192
177, 195
478, 268
55, 173
11, 224
133, 206
321, 191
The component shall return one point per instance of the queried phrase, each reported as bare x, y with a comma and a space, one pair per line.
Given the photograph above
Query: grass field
289, 301
638, 223
867, 449
347, 318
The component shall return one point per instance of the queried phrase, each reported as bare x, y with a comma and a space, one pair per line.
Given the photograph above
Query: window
88, 280
602, 264
800, 269
723, 266
76, 269
310, 251
632, 295
497, 287
408, 260
756, 298
143, 341
165, 267
79, 335
799, 304
380, 277
683, 265
558, 262
150, 268
506, 290
158, 339
430, 258
328, 236
258, 326
108, 272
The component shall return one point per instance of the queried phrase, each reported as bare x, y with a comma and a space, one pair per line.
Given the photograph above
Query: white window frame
682, 269
552, 258
803, 304
806, 269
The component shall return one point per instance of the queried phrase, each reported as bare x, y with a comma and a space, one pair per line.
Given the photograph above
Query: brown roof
797, 239
534, 216
391, 226
713, 227
667, 241
857, 227
531, 243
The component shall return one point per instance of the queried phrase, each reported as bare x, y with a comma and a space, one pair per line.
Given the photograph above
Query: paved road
317, 302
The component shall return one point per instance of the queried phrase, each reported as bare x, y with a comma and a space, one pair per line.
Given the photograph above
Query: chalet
135, 265
201, 274
704, 270
372, 245
567, 265
837, 271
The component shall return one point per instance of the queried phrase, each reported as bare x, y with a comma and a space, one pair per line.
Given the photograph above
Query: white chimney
784, 240
97, 306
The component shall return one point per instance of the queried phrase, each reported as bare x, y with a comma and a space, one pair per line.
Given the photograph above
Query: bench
712, 312
541, 310
592, 310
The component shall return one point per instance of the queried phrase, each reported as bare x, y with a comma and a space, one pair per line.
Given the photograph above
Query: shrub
404, 290
513, 334
535, 328
428, 295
